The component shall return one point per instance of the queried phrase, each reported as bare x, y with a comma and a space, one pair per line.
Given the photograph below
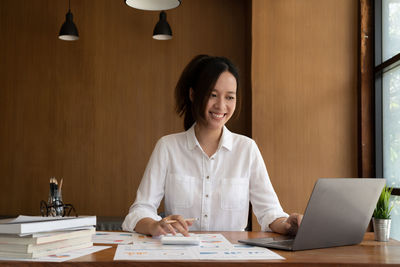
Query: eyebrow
229, 92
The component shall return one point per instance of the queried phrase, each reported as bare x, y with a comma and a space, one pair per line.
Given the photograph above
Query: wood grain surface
304, 93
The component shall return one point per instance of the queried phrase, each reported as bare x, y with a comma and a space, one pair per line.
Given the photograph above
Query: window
387, 89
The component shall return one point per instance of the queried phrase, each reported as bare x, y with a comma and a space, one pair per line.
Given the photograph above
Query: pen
188, 220
55, 188
52, 187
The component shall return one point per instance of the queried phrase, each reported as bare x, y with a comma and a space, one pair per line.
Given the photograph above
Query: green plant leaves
383, 207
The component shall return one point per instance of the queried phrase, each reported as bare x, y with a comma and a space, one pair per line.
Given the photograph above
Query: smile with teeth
217, 115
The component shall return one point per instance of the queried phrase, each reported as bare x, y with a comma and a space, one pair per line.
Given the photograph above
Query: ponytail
182, 91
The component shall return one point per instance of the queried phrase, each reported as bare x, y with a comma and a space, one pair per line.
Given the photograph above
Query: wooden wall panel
304, 93
91, 111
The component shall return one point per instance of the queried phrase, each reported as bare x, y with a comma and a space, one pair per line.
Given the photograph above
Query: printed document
61, 257
212, 247
112, 238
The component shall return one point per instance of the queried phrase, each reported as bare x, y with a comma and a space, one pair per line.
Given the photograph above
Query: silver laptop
338, 213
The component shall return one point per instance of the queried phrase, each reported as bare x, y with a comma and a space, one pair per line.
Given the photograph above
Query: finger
296, 219
299, 219
170, 228
293, 218
167, 228
297, 222
161, 231
288, 221
293, 229
181, 229
181, 221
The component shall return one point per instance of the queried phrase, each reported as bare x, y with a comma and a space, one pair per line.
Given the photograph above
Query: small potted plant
381, 219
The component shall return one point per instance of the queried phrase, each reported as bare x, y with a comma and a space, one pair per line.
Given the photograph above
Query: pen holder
54, 206
57, 206
55, 203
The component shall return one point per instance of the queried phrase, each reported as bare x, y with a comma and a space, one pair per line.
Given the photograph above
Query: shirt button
206, 195
212, 158
208, 177
205, 216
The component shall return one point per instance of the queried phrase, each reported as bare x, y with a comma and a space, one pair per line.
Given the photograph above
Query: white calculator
180, 240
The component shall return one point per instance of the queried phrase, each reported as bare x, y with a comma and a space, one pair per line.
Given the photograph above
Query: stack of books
28, 237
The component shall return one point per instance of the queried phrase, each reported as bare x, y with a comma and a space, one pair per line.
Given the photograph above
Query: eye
213, 95
230, 97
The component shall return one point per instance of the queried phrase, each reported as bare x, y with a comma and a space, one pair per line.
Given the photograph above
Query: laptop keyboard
285, 243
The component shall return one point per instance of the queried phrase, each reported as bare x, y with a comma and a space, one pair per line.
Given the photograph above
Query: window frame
380, 68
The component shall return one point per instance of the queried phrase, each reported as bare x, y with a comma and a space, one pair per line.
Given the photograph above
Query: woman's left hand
292, 223
287, 226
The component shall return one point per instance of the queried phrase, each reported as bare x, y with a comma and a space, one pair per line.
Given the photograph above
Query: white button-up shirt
215, 189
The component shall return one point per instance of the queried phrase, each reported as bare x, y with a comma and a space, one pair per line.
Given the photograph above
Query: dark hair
201, 74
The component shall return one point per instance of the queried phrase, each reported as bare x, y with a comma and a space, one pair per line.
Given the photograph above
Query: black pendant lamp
162, 31
68, 31
153, 4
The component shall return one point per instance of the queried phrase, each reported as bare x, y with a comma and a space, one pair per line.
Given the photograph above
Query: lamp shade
153, 4
68, 31
162, 30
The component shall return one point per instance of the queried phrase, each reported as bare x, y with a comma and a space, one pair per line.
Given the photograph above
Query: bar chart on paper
211, 247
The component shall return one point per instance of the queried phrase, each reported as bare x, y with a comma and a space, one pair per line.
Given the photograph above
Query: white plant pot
381, 229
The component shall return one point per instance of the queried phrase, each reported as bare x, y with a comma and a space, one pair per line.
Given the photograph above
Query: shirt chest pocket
179, 191
234, 194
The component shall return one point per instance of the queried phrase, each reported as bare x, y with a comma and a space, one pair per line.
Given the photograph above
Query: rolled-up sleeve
151, 189
263, 198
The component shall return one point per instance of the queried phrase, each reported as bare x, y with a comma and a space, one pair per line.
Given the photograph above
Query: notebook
337, 214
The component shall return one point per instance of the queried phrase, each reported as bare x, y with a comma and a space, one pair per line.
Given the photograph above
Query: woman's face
222, 101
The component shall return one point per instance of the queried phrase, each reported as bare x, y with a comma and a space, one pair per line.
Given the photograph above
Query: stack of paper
211, 247
28, 237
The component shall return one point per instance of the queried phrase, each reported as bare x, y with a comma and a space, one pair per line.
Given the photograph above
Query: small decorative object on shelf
54, 206
381, 219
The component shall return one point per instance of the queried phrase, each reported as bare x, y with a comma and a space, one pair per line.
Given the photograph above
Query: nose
220, 102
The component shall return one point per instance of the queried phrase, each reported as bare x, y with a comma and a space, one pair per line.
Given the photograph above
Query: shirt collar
191, 138
226, 138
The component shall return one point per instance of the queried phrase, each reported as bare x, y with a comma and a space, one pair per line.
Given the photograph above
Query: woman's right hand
163, 227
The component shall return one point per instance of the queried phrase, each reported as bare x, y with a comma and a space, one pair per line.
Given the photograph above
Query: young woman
207, 172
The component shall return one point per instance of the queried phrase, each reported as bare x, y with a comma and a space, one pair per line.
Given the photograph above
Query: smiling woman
222, 101
97, 123
198, 83
207, 172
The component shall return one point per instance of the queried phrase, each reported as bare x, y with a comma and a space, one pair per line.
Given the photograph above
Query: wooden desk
368, 253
